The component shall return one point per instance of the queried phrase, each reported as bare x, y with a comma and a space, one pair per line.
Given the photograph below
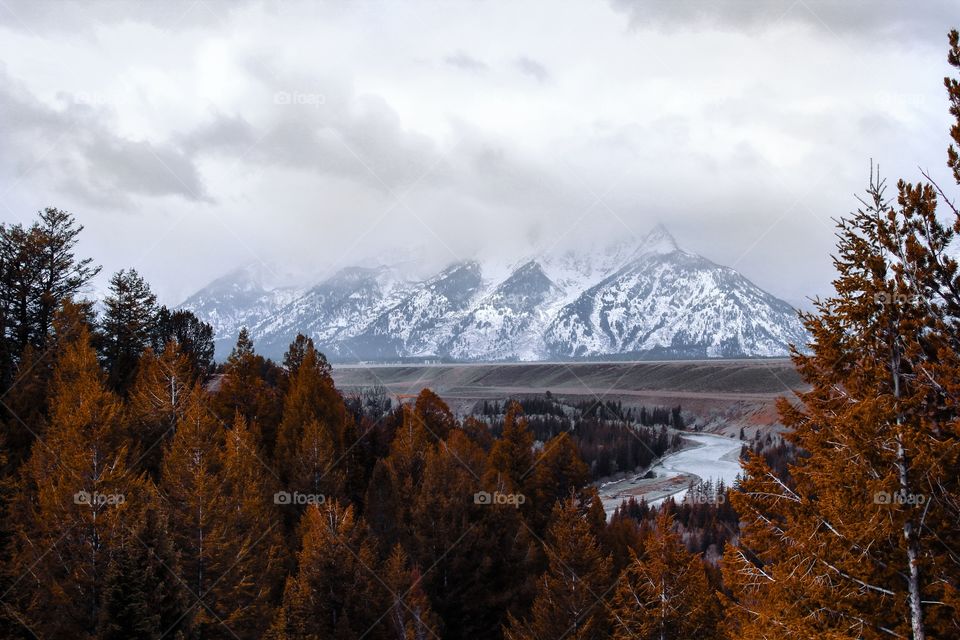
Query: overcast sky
194, 137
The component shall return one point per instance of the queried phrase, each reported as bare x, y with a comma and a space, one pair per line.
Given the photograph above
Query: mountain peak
659, 240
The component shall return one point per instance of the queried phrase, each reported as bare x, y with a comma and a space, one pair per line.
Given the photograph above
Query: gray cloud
868, 18
76, 147
462, 61
532, 68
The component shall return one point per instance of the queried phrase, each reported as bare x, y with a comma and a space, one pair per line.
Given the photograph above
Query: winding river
711, 457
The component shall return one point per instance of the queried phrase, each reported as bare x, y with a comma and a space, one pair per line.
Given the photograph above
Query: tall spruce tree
312, 435
157, 401
144, 596
571, 595
335, 592
664, 594
248, 589
39, 272
247, 388
860, 540
194, 338
127, 326
76, 501
191, 482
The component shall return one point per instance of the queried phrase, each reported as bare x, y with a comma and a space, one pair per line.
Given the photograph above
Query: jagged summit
658, 240
627, 299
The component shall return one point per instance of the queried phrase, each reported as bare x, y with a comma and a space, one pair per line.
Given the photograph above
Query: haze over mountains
628, 300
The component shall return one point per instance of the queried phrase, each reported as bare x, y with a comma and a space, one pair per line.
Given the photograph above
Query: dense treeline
610, 440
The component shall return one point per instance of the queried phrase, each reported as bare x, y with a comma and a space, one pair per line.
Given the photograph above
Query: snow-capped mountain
509, 322
671, 303
420, 322
647, 299
242, 298
334, 310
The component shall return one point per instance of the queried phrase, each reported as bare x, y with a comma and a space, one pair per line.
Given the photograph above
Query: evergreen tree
570, 594
190, 481
194, 338
859, 540
311, 397
143, 596
247, 589
39, 272
76, 500
246, 388
557, 471
19, 290
664, 594
410, 616
435, 415
335, 592
511, 459
157, 401
295, 354
128, 322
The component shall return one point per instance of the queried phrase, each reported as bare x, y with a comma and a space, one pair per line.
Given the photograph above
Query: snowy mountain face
644, 301
238, 299
509, 322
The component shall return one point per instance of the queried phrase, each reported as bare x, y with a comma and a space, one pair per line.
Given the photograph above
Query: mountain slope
239, 299
644, 300
334, 310
670, 303
420, 322
508, 323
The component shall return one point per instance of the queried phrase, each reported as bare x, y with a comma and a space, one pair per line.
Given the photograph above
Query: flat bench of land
738, 391
748, 377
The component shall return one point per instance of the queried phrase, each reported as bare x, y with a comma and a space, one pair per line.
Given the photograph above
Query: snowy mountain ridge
647, 300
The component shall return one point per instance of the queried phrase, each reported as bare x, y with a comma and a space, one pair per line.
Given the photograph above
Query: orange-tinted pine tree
253, 547
664, 594
511, 459
314, 417
410, 616
191, 481
435, 414
859, 542
556, 471
157, 402
396, 481
570, 598
246, 388
76, 501
335, 592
